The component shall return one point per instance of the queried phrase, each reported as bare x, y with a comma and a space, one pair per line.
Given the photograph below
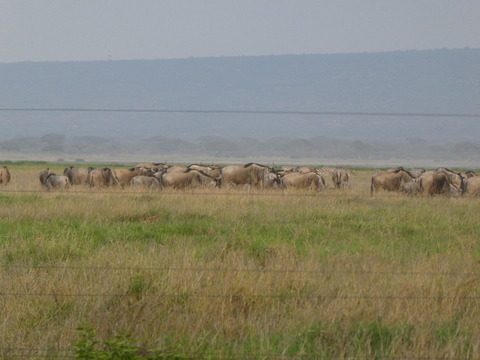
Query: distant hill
430, 81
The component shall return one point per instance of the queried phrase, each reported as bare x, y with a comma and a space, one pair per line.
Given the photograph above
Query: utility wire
253, 112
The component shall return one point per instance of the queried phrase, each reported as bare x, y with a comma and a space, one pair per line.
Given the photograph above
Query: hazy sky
65, 30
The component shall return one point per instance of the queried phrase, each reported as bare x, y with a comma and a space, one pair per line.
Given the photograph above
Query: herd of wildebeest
441, 181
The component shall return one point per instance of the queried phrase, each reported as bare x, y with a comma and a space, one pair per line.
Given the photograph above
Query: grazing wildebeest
53, 181
471, 186
250, 174
4, 175
77, 176
339, 176
145, 181
310, 180
390, 180
189, 178
272, 180
437, 183
345, 185
101, 177
124, 176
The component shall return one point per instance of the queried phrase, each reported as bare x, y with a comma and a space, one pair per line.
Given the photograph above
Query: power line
247, 112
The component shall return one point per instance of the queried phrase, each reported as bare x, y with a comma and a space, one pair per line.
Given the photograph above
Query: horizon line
110, 59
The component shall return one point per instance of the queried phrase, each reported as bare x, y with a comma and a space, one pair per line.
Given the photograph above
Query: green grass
241, 274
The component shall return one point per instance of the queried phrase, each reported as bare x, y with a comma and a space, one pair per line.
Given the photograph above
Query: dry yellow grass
339, 274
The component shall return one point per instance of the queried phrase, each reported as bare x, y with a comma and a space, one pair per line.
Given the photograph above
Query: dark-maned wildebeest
250, 174
4, 175
53, 181
471, 186
189, 178
310, 180
77, 176
389, 180
145, 181
437, 183
101, 177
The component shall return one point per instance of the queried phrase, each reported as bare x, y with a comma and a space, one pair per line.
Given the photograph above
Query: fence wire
63, 353
239, 270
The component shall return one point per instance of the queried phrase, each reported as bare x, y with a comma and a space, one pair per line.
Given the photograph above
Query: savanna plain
239, 274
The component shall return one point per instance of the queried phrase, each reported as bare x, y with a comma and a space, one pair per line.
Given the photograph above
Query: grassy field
239, 274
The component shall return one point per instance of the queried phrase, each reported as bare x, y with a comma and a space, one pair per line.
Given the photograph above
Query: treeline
212, 147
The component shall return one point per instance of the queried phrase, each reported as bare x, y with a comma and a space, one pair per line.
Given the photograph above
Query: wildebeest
77, 176
454, 178
154, 167
250, 174
101, 177
471, 186
345, 185
4, 176
470, 173
124, 176
416, 172
289, 168
390, 180
306, 169
43, 176
212, 170
53, 181
339, 176
189, 178
177, 168
272, 180
310, 180
437, 183
145, 181
410, 187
